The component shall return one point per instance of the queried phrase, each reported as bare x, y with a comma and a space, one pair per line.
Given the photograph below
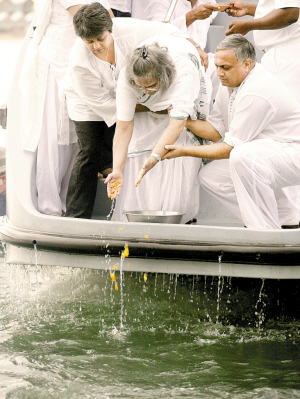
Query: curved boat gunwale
98, 242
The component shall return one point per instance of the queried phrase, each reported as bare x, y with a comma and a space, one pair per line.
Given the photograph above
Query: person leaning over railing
162, 72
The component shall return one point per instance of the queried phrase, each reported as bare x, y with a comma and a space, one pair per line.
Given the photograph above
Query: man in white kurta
276, 31
259, 121
90, 92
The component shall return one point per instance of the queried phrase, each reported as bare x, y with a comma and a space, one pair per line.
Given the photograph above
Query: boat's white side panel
26, 256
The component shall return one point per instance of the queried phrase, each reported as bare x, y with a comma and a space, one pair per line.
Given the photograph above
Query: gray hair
151, 61
243, 49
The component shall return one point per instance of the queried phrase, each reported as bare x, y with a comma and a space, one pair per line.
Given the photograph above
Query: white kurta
170, 185
120, 5
281, 46
45, 122
264, 39
91, 82
138, 8
157, 10
261, 120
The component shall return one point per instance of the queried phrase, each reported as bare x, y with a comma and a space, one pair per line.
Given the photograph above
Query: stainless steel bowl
154, 216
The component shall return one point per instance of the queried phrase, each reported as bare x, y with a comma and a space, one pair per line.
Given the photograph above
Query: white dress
261, 120
45, 123
170, 185
157, 10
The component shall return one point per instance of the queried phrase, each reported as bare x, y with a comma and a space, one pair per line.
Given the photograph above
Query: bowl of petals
154, 216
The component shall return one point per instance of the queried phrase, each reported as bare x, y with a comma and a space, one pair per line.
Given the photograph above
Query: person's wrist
156, 156
250, 10
118, 171
188, 123
249, 24
183, 151
190, 17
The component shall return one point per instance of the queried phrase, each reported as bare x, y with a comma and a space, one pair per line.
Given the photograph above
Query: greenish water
182, 336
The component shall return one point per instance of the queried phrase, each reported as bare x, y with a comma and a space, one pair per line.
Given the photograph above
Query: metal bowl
154, 216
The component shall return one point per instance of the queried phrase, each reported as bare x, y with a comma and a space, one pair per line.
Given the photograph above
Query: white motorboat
217, 244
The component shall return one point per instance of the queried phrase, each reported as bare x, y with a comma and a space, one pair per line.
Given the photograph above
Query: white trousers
54, 161
284, 63
250, 183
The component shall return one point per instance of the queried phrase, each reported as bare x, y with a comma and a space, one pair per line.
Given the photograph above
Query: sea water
180, 336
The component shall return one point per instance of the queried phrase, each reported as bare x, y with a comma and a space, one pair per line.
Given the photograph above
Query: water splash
260, 313
219, 285
112, 208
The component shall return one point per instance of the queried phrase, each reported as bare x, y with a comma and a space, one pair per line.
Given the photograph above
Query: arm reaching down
212, 151
122, 138
170, 135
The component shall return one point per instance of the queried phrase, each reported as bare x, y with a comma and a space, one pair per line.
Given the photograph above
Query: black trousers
118, 13
95, 155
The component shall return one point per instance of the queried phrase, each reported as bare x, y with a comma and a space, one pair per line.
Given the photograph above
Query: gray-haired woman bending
164, 73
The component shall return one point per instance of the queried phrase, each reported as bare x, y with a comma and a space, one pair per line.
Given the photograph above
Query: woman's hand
114, 183
148, 165
174, 151
204, 57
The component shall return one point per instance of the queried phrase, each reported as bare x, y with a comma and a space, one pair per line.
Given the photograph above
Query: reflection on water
182, 336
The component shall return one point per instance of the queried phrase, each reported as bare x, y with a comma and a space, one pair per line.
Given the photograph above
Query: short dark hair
91, 21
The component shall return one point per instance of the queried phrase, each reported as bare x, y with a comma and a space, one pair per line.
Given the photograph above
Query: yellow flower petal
125, 253
145, 277
116, 287
113, 276
146, 236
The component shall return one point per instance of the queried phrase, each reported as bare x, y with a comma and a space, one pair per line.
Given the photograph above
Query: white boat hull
179, 249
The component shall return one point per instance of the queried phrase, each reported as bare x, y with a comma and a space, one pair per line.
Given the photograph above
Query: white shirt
262, 107
120, 5
91, 82
265, 38
60, 36
49, 48
157, 10
183, 93
138, 8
